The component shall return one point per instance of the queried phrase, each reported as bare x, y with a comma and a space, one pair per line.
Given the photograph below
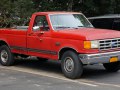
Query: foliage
15, 12
19, 11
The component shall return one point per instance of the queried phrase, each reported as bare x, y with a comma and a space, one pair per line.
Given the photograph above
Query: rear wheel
112, 67
6, 57
71, 65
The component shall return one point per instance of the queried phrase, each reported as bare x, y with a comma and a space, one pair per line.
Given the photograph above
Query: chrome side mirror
36, 28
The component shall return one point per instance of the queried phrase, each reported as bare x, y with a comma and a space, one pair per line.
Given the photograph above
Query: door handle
41, 40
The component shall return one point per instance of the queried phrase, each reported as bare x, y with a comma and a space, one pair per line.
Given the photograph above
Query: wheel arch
62, 50
2, 42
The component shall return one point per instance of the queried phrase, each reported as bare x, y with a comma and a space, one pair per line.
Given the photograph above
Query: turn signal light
87, 44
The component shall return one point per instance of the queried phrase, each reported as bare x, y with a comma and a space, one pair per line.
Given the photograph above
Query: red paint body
47, 41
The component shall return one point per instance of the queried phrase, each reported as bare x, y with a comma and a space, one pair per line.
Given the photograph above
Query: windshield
62, 21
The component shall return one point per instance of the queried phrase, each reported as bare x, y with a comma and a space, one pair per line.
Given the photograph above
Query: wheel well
64, 50
3, 43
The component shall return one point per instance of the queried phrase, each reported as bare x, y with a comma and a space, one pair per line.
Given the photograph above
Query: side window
40, 23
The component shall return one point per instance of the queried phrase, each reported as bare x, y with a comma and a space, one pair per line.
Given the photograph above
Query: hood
87, 34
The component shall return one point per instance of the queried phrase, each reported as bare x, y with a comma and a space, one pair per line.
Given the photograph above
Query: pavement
31, 74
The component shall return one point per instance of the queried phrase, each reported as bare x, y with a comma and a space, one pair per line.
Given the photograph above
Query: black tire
71, 58
42, 59
6, 57
112, 67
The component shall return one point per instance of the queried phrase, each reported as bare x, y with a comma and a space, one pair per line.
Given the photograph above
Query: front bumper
99, 57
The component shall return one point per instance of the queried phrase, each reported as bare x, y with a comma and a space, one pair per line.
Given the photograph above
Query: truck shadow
90, 71
34, 64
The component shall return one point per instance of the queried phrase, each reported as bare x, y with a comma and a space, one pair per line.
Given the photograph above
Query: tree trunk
70, 5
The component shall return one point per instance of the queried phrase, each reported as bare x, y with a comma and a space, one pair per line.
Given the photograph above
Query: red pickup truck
65, 36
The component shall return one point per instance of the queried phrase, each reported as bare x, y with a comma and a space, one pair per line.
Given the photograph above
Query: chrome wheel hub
4, 56
68, 64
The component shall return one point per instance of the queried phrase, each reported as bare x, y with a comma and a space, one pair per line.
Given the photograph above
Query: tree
19, 11
15, 12
70, 5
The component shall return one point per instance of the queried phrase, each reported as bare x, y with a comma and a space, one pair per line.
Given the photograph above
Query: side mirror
36, 28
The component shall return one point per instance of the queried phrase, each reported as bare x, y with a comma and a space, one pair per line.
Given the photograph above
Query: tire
6, 57
71, 65
42, 59
112, 67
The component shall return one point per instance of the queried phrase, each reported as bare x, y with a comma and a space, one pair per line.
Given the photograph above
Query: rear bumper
99, 57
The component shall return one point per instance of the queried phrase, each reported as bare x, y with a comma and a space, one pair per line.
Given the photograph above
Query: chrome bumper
99, 57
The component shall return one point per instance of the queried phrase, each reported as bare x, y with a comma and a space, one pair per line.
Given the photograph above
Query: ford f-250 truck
65, 36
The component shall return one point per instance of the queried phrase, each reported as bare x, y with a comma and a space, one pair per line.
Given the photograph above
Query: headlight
91, 44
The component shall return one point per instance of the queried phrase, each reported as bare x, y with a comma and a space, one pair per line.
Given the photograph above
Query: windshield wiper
77, 27
62, 27
80, 26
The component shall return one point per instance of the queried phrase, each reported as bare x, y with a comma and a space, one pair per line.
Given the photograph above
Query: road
34, 75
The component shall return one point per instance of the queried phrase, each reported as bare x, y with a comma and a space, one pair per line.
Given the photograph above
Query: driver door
39, 40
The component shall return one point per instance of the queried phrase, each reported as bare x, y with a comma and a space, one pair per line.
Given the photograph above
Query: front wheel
6, 57
71, 65
112, 67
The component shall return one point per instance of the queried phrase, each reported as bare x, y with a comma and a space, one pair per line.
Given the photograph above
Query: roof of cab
57, 12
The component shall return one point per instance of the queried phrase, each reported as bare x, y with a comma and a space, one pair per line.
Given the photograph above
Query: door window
40, 24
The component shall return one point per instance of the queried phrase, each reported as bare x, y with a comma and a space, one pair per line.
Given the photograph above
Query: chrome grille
109, 44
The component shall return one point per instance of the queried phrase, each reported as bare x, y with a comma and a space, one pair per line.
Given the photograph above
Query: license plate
113, 59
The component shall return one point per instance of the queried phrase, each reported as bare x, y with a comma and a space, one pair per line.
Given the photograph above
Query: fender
66, 47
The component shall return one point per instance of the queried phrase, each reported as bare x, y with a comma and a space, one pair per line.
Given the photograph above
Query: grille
109, 44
